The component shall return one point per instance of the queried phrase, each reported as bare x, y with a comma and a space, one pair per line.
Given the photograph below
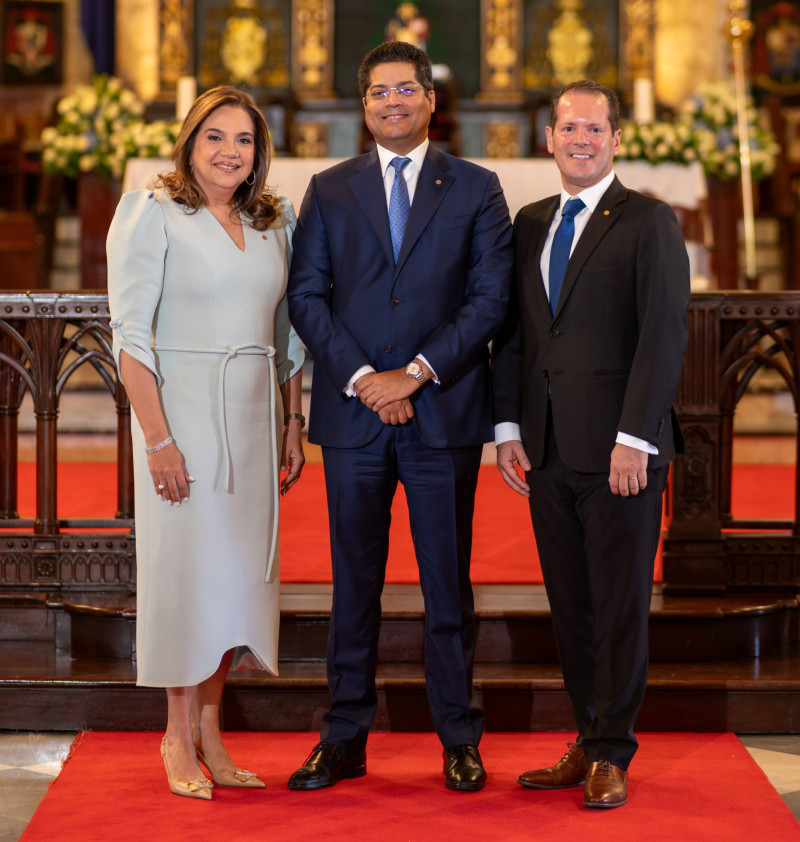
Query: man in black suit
585, 373
400, 277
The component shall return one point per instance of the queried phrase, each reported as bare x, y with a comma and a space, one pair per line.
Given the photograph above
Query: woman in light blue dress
197, 274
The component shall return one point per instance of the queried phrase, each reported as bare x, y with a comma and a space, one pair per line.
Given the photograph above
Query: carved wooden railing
732, 336
45, 337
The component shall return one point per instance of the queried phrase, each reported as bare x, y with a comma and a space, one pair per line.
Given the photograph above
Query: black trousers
597, 552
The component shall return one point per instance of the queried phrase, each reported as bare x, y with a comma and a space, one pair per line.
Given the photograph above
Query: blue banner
97, 19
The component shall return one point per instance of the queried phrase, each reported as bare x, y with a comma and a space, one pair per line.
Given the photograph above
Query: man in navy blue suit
400, 278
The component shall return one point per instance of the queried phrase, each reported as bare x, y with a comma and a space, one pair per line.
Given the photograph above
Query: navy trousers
440, 489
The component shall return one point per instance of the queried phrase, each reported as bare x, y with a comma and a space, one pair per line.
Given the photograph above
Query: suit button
394, 302
554, 332
388, 349
545, 373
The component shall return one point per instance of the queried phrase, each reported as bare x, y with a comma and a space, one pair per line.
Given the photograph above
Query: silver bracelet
160, 446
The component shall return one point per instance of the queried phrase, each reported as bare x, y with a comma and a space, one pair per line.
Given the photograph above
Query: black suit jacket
613, 353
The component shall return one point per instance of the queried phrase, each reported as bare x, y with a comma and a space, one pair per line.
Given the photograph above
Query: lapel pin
438, 180
606, 213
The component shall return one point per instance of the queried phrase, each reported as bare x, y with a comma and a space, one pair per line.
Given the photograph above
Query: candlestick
741, 31
185, 95
643, 104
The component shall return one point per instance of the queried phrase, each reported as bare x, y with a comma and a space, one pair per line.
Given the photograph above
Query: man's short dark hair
390, 51
587, 86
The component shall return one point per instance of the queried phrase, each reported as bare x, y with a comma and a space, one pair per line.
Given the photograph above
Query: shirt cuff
434, 378
349, 390
639, 444
506, 431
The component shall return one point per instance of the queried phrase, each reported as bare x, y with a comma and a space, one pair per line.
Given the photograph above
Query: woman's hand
292, 458
170, 477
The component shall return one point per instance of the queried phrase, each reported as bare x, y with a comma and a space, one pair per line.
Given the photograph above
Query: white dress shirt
509, 430
411, 174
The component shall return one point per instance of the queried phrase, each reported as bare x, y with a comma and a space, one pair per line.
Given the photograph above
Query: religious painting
243, 43
776, 48
568, 40
32, 45
448, 31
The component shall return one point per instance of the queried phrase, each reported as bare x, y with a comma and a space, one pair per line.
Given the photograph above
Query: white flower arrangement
705, 130
100, 126
657, 143
712, 117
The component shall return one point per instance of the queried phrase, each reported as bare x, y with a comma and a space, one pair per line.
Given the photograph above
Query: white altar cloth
523, 180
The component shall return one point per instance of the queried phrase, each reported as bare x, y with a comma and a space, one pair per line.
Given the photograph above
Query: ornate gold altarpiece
559, 40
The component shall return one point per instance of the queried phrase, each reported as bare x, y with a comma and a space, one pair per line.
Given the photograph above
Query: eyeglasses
406, 92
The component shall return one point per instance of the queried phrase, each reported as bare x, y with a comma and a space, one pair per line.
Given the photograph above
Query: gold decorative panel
502, 139
312, 49
310, 140
176, 38
244, 44
568, 41
637, 24
501, 49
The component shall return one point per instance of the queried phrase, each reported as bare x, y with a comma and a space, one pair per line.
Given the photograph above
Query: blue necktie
559, 253
399, 205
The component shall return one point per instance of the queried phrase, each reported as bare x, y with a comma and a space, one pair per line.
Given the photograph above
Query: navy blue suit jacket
445, 299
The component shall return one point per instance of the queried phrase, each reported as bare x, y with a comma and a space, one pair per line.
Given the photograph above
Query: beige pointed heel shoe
200, 788
238, 777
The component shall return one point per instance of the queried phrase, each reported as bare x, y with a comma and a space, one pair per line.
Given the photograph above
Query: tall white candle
643, 104
185, 95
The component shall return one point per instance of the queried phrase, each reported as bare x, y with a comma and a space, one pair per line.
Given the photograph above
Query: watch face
414, 369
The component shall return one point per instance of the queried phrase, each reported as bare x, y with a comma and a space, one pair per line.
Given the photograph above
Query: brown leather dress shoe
327, 764
569, 771
463, 769
605, 785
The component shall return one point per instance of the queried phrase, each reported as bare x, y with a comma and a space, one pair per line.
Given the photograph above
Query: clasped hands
387, 393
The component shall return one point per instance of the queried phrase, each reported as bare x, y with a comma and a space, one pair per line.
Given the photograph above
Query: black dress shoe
327, 764
463, 769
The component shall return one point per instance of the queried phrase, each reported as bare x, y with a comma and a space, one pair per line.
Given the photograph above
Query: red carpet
682, 786
504, 550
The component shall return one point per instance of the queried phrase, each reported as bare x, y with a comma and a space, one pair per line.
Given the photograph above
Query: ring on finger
161, 487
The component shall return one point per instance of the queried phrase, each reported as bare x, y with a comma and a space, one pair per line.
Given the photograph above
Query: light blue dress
211, 322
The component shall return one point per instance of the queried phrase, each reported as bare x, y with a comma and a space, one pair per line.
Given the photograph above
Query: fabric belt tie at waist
250, 349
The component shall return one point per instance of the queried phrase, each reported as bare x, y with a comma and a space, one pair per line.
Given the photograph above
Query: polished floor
29, 762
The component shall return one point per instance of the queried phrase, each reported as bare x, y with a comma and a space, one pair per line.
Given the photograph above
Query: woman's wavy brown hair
251, 200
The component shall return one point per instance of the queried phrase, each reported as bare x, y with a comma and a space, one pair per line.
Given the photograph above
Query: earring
251, 179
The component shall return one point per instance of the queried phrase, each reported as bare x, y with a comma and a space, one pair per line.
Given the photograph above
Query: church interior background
496, 64
91, 93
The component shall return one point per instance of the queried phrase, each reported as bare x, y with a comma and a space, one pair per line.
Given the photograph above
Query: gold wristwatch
414, 369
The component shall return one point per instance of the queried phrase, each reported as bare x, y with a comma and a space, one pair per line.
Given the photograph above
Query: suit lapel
432, 184
367, 186
605, 215
532, 261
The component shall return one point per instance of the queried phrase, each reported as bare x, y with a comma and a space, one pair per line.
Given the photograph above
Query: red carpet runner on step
682, 786
503, 547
